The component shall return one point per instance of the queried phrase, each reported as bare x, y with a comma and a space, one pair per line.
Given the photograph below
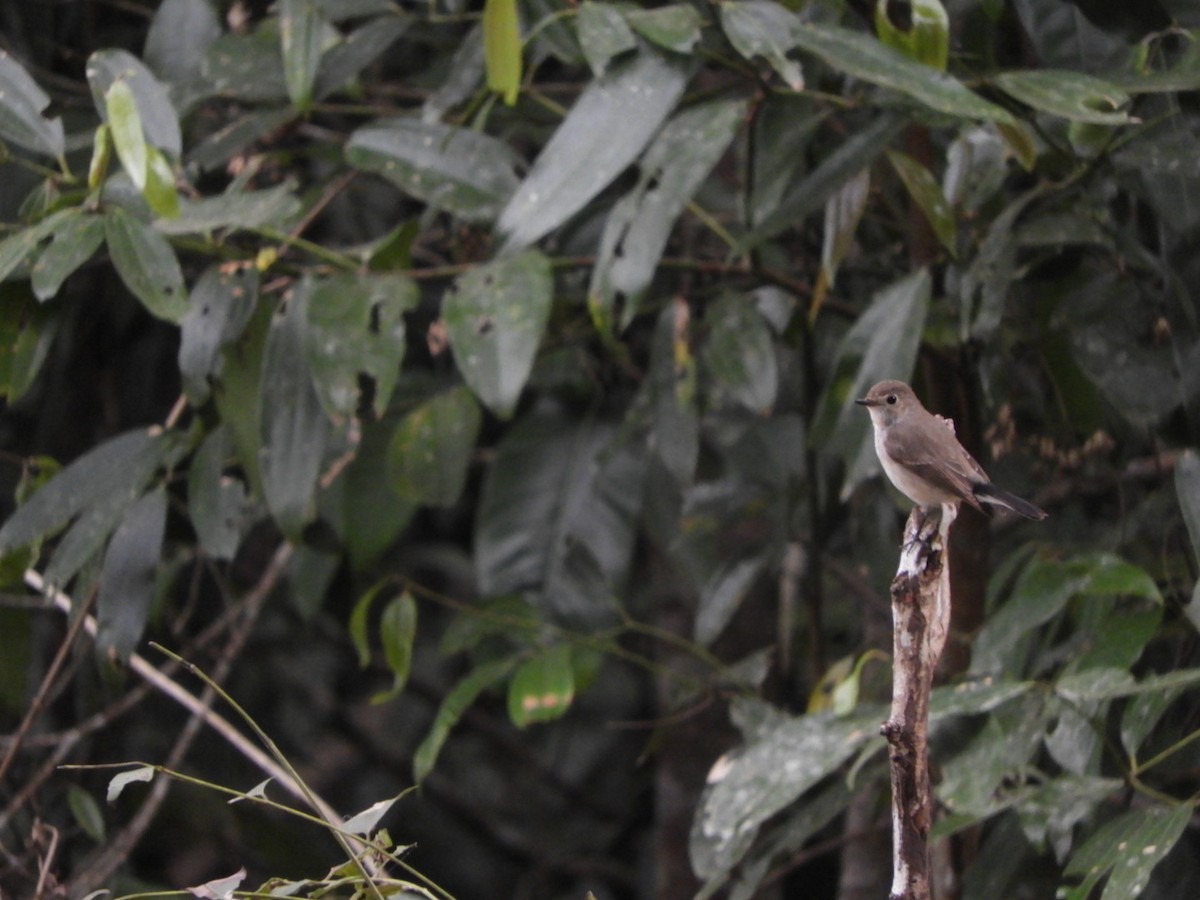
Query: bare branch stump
920, 621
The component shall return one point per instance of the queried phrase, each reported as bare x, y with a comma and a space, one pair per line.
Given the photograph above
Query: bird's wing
941, 461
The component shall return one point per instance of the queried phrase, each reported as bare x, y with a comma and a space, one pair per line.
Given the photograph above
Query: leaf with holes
495, 315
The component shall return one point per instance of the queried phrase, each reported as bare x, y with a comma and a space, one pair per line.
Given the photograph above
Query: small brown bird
922, 457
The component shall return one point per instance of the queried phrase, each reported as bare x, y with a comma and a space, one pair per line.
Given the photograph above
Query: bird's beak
863, 401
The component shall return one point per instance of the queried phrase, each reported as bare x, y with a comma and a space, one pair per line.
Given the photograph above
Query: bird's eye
891, 399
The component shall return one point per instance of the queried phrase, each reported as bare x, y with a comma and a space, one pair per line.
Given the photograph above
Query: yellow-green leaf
125, 125
160, 190
924, 35
542, 688
502, 48
928, 195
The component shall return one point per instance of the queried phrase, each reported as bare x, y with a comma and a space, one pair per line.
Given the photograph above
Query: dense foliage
468, 391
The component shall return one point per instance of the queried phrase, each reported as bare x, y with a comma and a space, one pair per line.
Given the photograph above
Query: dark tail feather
989, 493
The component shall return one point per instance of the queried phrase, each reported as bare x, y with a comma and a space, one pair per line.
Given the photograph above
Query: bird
921, 456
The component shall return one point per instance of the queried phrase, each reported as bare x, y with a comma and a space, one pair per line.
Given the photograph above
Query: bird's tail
989, 493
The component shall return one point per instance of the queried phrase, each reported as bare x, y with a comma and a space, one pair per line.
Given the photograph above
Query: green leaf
883, 343
843, 211
612, 121
374, 516
452, 707
86, 812
1187, 490
355, 339
247, 67
302, 35
363, 46
864, 57
739, 356
179, 35
120, 466
218, 148
675, 27
128, 577
147, 265
294, 427
21, 105
1126, 849
75, 240
1069, 95
639, 226
216, 502
219, 308
928, 196
924, 37
397, 631
357, 626
543, 688
155, 113
235, 209
502, 48
125, 126
432, 447
460, 170
495, 315
763, 28
19, 247
159, 190
603, 34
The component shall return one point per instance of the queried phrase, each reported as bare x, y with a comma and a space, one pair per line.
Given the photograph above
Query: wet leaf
495, 315
612, 121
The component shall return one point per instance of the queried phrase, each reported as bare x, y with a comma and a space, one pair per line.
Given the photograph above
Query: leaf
247, 67
843, 211
864, 57
301, 39
127, 580
612, 121
465, 172
558, 516
218, 148
1126, 849
502, 48
883, 343
219, 888
739, 356
216, 502
603, 34
219, 308
355, 340
27, 331
675, 27
294, 429
543, 687
147, 265
431, 449
752, 783
375, 517
639, 226
763, 28
357, 626
180, 34
157, 116
75, 240
495, 315
234, 210
21, 105
120, 466
1069, 95
925, 36
455, 703
121, 780
397, 632
343, 61
125, 126
86, 812
1050, 812
368, 820
160, 192
19, 247
1187, 490
927, 194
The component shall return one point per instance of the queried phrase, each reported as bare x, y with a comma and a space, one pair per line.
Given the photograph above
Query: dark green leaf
1187, 490
466, 172
342, 62
357, 626
86, 812
432, 447
739, 356
639, 226
219, 308
159, 123
302, 36
294, 427
495, 315
502, 48
864, 57
453, 706
928, 196
843, 211
374, 515
75, 240
147, 265
216, 501
603, 34
247, 66
19, 247
180, 34
675, 27
609, 125
275, 206
355, 339
1050, 812
21, 105
27, 330
128, 577
1128, 847
222, 145
543, 688
763, 28
1070, 95
397, 631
